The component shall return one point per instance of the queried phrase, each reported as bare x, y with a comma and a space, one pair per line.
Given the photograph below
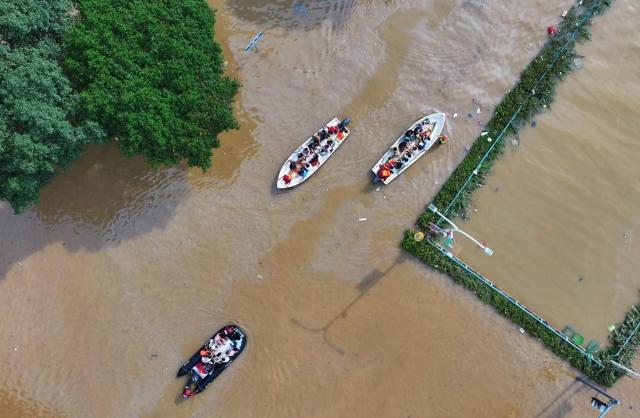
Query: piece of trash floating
475, 172
483, 133
534, 124
418, 236
362, 219
469, 115
515, 142
252, 44
384, 197
521, 330
489, 139
260, 277
533, 91
612, 328
455, 115
15, 348
377, 189
564, 14
478, 111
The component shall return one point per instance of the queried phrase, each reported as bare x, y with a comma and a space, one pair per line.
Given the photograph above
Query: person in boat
314, 160
333, 130
383, 173
342, 128
292, 165
425, 135
398, 165
323, 134
421, 145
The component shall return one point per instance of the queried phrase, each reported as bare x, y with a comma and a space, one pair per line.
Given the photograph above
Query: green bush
40, 131
151, 73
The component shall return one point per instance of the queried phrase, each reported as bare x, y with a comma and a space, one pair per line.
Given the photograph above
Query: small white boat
313, 153
411, 145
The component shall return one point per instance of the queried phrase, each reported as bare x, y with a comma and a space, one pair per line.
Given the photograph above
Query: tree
151, 73
40, 131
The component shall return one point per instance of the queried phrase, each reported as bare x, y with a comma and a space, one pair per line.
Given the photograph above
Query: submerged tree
40, 131
151, 73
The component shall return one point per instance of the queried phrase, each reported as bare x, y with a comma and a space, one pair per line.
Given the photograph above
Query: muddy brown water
122, 270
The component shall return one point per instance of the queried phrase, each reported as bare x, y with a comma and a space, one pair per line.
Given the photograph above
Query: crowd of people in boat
320, 145
218, 351
412, 143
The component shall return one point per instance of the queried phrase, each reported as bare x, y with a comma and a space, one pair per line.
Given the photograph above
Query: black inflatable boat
215, 355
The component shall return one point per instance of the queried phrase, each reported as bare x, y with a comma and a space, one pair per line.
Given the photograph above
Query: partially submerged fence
532, 94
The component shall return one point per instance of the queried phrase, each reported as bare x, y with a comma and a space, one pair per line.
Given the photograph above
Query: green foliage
533, 93
151, 73
39, 131
27, 21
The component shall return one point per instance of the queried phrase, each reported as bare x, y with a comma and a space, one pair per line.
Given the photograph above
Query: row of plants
149, 74
533, 93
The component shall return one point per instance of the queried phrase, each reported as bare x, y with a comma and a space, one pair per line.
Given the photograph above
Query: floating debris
515, 142
455, 115
362, 219
534, 124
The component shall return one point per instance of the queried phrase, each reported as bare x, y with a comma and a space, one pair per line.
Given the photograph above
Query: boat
411, 145
313, 153
222, 349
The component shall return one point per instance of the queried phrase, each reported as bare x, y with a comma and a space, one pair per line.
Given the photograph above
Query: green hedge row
533, 93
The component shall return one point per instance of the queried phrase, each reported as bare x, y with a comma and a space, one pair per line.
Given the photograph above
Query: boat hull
438, 121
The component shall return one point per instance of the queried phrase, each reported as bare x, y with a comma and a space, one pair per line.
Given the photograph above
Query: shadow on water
561, 406
293, 14
101, 200
367, 283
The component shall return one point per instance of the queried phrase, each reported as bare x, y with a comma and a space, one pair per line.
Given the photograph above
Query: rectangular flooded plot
561, 208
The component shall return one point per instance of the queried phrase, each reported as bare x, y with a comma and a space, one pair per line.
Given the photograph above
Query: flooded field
561, 208
122, 271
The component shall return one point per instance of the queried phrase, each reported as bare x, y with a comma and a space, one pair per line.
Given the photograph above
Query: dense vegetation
533, 93
39, 128
151, 73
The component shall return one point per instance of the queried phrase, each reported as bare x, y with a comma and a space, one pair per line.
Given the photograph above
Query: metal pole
486, 249
612, 401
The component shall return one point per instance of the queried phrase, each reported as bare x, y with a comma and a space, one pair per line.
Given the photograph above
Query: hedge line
533, 93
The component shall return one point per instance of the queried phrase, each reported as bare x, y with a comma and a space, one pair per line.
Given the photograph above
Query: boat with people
213, 358
313, 153
411, 145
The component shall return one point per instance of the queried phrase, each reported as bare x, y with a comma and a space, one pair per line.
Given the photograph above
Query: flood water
123, 271
561, 209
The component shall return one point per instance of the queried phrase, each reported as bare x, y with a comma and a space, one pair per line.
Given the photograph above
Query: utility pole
434, 209
596, 403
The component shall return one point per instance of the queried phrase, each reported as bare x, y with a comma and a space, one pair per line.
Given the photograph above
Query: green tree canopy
151, 73
39, 128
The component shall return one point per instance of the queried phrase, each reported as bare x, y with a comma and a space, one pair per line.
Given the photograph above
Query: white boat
425, 132
313, 153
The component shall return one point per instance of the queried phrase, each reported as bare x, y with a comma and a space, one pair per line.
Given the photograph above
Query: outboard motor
345, 122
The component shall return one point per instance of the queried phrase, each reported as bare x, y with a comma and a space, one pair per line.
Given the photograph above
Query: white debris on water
362, 219
455, 115
521, 330
377, 189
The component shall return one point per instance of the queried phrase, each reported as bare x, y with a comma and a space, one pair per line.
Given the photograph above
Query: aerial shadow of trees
101, 200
